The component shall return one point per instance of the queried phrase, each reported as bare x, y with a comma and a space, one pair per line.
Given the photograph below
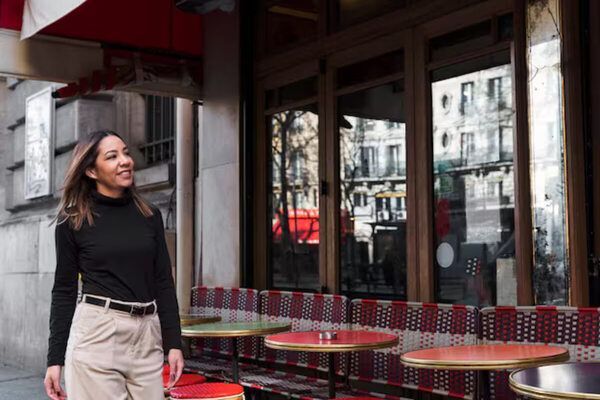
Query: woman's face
113, 169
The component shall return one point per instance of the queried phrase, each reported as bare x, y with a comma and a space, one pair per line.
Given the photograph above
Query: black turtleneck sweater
123, 255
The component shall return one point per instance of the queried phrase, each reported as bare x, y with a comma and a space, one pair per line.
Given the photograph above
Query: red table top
213, 390
485, 356
347, 340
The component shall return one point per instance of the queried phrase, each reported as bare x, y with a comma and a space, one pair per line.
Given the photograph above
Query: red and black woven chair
209, 391
577, 329
303, 311
417, 325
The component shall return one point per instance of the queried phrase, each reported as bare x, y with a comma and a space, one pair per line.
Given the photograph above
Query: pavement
19, 384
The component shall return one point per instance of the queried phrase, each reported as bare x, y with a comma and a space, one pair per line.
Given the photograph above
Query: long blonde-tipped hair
75, 204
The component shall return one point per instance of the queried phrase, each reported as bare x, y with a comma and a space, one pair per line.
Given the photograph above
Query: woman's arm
166, 299
64, 293
168, 309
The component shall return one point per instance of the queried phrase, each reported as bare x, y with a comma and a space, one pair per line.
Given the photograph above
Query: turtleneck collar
111, 201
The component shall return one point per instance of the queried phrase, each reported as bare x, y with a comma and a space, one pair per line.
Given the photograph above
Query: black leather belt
131, 309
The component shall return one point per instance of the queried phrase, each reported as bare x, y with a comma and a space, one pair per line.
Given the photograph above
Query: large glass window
473, 182
547, 152
373, 191
294, 247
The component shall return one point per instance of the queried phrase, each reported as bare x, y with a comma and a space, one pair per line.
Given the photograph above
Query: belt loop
106, 305
155, 307
84, 297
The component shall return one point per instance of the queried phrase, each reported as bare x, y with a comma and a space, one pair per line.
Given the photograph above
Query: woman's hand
175, 359
52, 383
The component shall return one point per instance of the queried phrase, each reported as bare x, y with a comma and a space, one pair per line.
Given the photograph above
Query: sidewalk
18, 384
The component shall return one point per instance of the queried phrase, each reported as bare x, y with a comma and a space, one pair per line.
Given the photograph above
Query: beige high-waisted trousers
114, 356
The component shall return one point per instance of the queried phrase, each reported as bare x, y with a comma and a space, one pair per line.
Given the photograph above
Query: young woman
112, 343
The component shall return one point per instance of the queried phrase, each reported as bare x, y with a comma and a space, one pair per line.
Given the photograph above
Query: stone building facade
27, 259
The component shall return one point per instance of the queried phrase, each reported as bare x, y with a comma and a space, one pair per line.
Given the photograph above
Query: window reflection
546, 147
294, 250
373, 189
473, 187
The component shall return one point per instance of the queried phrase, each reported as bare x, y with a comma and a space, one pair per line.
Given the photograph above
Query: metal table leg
331, 376
483, 379
234, 363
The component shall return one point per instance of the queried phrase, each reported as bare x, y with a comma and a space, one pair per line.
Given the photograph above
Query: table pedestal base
483, 379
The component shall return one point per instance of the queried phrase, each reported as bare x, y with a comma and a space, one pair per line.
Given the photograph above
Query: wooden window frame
394, 42
378, 36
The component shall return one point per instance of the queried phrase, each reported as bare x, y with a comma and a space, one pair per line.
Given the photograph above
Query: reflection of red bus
304, 225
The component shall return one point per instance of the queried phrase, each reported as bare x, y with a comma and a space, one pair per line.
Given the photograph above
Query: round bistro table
558, 382
234, 330
346, 341
484, 358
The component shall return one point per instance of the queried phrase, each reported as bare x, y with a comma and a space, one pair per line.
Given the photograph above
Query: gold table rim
538, 393
330, 347
236, 333
485, 365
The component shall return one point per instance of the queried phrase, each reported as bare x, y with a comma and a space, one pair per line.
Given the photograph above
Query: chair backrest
418, 326
304, 311
577, 329
232, 305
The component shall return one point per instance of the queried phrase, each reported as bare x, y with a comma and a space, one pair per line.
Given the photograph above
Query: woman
111, 343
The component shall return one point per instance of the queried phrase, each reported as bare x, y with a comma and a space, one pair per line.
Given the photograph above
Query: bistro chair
184, 380
209, 391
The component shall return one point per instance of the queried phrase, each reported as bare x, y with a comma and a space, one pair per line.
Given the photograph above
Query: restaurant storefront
442, 150
421, 150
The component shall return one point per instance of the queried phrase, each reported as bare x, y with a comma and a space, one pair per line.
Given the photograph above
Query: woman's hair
75, 204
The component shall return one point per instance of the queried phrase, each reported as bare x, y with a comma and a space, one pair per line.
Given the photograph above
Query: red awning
134, 24
303, 223
148, 46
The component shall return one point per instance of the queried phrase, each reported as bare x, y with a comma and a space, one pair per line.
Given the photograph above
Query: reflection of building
473, 180
373, 183
473, 149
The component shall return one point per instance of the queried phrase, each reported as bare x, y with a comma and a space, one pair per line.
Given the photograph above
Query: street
18, 384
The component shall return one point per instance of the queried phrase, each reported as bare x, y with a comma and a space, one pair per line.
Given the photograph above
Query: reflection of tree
294, 139
352, 143
548, 278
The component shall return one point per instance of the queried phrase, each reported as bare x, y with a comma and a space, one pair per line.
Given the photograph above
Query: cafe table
558, 382
484, 358
233, 331
331, 342
194, 319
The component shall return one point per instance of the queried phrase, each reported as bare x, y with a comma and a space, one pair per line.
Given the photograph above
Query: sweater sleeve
64, 293
166, 299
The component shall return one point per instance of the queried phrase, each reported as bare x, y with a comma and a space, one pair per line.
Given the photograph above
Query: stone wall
219, 198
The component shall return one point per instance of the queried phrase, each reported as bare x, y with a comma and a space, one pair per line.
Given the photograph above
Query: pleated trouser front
113, 355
